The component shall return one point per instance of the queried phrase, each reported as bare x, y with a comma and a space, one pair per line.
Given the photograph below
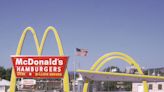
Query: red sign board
40, 66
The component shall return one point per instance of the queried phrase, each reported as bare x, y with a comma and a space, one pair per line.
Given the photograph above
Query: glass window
150, 86
159, 86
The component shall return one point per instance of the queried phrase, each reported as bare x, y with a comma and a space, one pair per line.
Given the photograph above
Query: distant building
76, 83
4, 85
153, 86
132, 70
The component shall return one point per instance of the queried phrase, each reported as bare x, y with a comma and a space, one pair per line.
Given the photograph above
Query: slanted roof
4, 82
110, 76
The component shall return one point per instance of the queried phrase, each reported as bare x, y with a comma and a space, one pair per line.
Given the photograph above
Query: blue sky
101, 26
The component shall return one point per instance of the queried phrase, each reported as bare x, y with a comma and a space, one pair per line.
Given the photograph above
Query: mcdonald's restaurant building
153, 86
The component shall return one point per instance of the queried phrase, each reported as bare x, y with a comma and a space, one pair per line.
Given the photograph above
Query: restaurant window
150, 86
159, 86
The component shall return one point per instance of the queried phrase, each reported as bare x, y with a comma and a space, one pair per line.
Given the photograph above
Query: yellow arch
61, 53
111, 58
18, 52
39, 51
114, 55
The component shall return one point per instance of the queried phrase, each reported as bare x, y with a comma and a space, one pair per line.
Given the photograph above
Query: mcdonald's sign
24, 60
39, 66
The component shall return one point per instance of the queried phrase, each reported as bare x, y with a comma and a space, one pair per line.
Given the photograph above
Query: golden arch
39, 51
114, 55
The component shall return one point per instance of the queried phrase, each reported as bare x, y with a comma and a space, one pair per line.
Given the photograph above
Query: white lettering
18, 61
